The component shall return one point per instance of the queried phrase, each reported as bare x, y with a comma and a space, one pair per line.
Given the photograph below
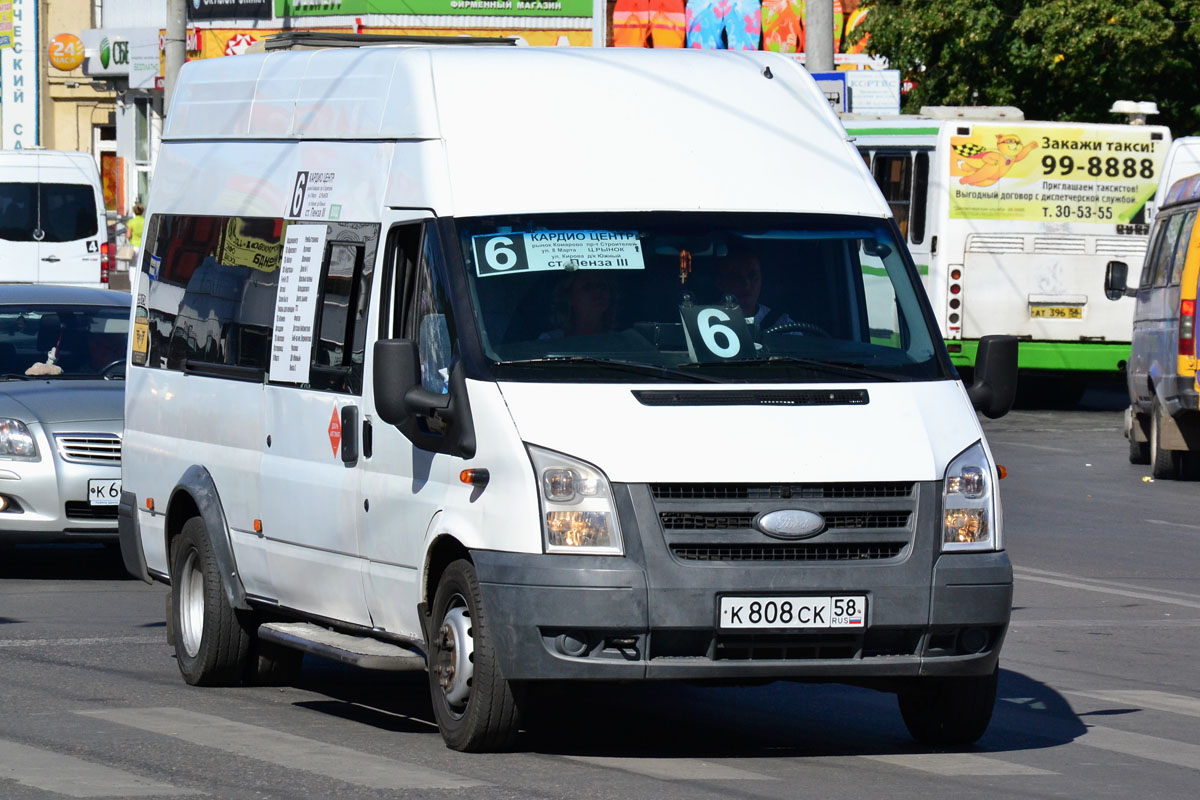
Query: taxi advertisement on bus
1086, 174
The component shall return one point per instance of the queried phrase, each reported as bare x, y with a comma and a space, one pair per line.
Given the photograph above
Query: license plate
104, 491
793, 612
1056, 312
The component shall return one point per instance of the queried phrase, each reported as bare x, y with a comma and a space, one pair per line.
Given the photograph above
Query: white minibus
52, 219
487, 361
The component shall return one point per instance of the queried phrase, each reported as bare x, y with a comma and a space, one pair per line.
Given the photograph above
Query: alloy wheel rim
191, 602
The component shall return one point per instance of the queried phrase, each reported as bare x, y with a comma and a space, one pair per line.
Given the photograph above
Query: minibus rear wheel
472, 701
949, 712
211, 645
1163, 463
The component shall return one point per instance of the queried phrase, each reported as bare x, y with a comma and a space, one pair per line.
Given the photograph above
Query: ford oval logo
790, 523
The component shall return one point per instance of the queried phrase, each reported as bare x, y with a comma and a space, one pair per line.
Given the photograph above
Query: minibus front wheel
949, 711
472, 701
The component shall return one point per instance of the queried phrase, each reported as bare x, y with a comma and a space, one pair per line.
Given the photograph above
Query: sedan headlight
16, 441
578, 514
969, 503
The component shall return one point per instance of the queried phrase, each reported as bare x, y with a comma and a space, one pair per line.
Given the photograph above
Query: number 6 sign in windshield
715, 333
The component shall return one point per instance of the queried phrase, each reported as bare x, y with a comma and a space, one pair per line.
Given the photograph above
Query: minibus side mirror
995, 385
436, 421
1116, 275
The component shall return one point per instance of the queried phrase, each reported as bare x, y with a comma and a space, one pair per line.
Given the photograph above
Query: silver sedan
62, 396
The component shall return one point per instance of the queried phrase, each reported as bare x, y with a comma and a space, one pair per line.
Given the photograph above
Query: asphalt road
1099, 697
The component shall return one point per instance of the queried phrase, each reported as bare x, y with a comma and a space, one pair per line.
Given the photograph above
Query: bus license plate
1056, 312
793, 612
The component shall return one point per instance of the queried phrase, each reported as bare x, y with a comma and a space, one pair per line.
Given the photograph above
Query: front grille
779, 491
684, 521
89, 448
77, 509
787, 552
759, 647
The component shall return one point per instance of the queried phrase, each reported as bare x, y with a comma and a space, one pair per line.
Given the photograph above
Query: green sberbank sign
494, 8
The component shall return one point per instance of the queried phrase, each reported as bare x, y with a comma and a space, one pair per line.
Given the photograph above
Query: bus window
866, 157
893, 173
1185, 235
1164, 254
920, 196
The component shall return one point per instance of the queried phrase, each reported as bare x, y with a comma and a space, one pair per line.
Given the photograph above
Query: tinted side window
209, 290
346, 274
916, 232
62, 212
1181, 247
1156, 238
1165, 252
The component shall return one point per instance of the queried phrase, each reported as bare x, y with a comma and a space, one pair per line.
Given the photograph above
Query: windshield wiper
617, 363
15, 376
833, 367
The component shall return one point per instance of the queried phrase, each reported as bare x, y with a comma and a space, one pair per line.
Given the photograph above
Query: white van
52, 223
1183, 160
548, 383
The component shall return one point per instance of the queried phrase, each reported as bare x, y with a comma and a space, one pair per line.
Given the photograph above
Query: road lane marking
958, 764
1103, 582
674, 769
284, 749
87, 641
62, 774
1074, 584
1153, 748
1174, 524
1144, 698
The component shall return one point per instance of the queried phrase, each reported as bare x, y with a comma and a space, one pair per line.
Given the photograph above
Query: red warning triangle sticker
335, 431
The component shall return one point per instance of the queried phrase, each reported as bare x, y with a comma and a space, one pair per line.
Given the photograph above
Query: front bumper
48, 498
650, 615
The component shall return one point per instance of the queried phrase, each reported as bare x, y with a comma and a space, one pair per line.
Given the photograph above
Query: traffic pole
174, 48
818, 36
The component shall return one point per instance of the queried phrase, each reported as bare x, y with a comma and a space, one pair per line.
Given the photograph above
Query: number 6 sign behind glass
715, 333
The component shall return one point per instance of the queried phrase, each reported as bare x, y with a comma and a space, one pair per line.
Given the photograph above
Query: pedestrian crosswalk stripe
1154, 748
966, 764
1138, 698
284, 749
674, 769
67, 775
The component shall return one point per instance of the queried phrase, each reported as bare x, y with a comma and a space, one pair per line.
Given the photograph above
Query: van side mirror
436, 421
995, 385
1116, 275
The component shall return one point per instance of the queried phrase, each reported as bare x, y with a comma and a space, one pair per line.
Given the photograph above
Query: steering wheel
109, 370
803, 327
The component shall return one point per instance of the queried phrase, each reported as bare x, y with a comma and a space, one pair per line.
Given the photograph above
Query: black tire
212, 645
1139, 452
472, 702
949, 712
1163, 463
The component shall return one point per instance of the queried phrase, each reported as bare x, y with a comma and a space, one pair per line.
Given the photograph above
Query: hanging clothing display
741, 20
783, 25
648, 23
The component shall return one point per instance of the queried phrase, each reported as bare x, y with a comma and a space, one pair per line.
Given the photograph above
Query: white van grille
89, 448
995, 244
1060, 244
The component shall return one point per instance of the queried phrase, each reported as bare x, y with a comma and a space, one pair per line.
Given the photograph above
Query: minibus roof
540, 128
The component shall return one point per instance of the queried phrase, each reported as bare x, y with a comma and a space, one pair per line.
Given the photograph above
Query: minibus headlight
578, 514
16, 441
969, 503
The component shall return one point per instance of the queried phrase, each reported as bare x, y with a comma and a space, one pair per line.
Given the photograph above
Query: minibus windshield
696, 297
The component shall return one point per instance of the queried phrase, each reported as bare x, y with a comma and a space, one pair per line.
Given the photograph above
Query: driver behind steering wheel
739, 275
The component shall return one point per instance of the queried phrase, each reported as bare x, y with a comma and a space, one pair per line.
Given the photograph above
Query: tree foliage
1054, 59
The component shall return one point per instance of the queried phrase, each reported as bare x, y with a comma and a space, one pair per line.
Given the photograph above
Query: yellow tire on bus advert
1055, 173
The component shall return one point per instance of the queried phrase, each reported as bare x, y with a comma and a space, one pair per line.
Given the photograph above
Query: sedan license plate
1056, 312
104, 491
793, 612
